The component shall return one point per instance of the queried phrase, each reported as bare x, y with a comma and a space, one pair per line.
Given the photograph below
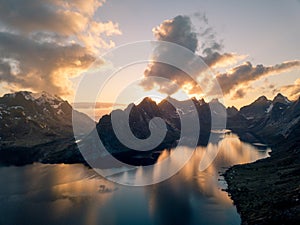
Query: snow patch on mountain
269, 109
40, 98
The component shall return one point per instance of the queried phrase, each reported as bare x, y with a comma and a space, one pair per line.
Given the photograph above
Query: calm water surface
73, 194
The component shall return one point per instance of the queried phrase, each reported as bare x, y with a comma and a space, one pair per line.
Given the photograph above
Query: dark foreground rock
268, 191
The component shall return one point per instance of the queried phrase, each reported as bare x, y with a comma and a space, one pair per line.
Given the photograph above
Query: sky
252, 47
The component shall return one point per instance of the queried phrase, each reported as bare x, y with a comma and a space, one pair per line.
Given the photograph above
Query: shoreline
267, 191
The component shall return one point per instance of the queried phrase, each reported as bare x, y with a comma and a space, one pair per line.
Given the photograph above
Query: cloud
246, 73
240, 93
71, 19
60, 16
45, 42
293, 90
27, 64
215, 59
211, 47
36, 15
180, 30
235, 81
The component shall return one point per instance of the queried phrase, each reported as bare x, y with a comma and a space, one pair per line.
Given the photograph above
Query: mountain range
263, 121
38, 127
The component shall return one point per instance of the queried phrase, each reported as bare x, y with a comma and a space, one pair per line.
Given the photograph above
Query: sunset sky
251, 46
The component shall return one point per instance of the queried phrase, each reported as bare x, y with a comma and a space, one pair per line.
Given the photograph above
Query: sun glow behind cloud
234, 72
45, 43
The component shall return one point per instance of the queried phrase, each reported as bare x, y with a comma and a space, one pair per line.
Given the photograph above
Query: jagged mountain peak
147, 101
257, 108
194, 99
202, 101
279, 95
214, 100
147, 106
168, 99
232, 111
129, 107
261, 99
35, 118
281, 99
232, 108
167, 102
216, 103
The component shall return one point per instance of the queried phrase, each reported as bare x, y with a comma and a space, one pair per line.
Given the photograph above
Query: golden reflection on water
70, 192
84, 188
191, 183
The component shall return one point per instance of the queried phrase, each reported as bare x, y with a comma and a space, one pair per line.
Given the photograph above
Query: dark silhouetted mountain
43, 124
257, 109
171, 111
279, 98
263, 121
232, 111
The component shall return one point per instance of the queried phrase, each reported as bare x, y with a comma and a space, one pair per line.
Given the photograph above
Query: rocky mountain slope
36, 127
271, 121
33, 121
268, 191
264, 121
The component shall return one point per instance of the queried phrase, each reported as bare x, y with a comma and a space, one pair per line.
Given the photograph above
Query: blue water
73, 194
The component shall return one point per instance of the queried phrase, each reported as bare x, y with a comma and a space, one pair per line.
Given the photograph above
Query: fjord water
74, 194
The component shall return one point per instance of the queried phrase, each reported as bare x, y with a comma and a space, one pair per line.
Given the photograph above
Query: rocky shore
268, 191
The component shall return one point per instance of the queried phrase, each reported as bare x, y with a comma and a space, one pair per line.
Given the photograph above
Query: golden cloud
45, 42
